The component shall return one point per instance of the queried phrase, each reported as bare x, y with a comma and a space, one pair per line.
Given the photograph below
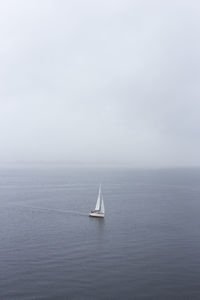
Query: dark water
147, 247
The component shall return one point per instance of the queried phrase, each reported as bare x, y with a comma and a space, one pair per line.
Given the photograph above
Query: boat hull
96, 215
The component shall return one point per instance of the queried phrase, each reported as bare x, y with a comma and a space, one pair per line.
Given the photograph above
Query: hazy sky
100, 81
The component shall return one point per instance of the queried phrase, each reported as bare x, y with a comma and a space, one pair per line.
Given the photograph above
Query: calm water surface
147, 247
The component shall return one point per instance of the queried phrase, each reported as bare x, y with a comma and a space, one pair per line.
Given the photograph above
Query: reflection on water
98, 225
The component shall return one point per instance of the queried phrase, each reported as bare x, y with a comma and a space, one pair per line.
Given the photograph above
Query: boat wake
54, 210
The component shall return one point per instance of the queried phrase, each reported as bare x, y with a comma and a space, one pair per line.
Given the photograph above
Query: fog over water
100, 81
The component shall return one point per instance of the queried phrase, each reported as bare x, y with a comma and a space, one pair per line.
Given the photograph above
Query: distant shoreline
76, 164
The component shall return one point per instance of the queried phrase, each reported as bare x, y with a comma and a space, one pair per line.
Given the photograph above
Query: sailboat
99, 208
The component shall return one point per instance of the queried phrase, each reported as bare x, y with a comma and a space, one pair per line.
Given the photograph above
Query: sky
106, 82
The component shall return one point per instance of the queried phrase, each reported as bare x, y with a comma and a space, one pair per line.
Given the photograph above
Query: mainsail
99, 208
98, 204
102, 206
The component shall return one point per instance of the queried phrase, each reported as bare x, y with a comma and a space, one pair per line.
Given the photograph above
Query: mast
100, 195
102, 208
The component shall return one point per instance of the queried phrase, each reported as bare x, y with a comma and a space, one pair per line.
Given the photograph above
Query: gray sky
100, 81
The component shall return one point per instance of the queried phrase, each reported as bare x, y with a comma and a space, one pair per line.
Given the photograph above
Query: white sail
98, 204
99, 208
102, 206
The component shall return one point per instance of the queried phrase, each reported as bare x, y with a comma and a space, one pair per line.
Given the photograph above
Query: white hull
96, 215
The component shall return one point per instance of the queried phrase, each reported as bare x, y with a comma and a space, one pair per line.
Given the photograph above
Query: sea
146, 247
